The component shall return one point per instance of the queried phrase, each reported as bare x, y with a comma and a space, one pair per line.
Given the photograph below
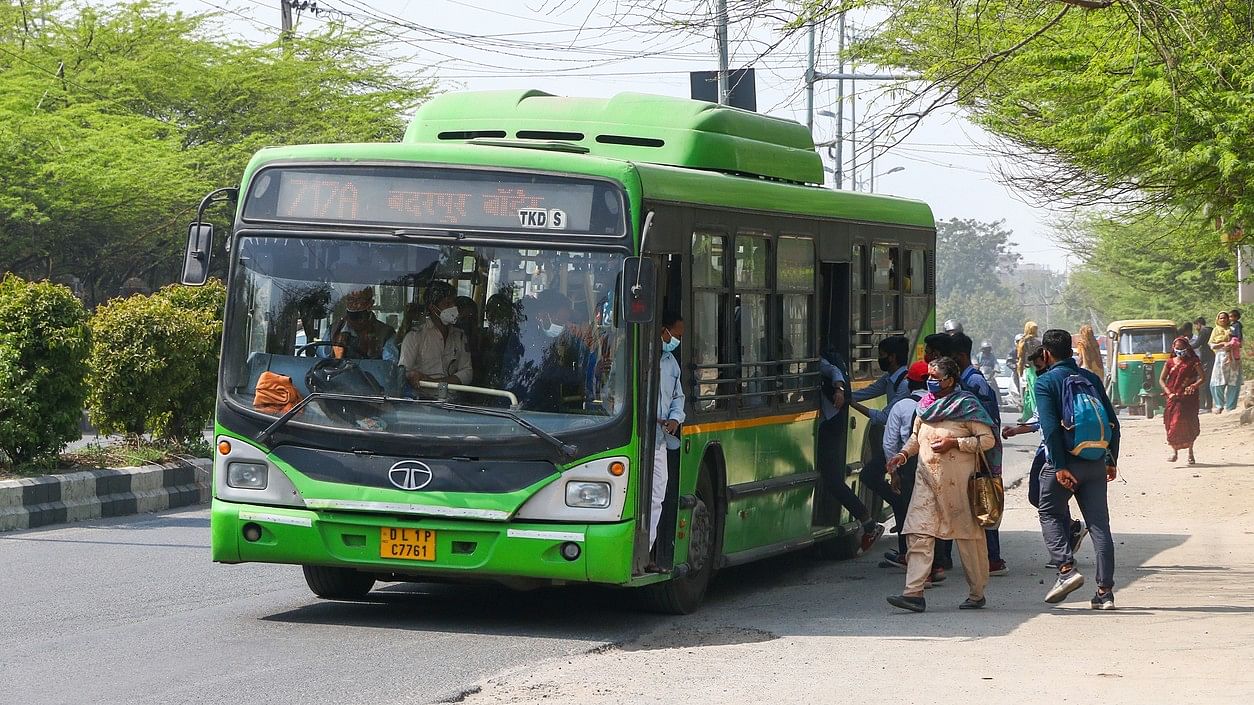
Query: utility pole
853, 129
285, 19
840, 104
721, 33
810, 81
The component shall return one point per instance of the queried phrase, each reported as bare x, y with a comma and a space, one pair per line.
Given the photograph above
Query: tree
971, 258
1167, 268
1140, 104
115, 121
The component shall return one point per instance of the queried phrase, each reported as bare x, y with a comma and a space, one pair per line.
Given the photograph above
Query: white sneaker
1067, 583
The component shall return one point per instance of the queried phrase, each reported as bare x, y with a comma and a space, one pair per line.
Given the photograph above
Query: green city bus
565, 228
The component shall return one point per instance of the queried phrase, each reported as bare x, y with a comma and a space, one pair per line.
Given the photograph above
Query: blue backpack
1086, 426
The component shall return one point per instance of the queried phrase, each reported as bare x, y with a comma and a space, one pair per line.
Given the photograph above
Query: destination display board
435, 198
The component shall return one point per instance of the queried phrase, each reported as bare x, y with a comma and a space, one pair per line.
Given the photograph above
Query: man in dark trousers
894, 356
973, 381
1066, 475
1201, 343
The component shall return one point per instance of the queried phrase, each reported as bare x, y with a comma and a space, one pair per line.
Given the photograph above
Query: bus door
834, 337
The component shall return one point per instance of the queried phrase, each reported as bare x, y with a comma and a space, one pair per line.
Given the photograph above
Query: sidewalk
797, 630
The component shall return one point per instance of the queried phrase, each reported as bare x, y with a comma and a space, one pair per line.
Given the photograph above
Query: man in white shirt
670, 414
435, 350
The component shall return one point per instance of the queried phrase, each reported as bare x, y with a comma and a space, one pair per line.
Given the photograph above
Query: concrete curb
26, 503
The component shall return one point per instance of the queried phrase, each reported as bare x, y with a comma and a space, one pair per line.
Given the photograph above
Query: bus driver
359, 335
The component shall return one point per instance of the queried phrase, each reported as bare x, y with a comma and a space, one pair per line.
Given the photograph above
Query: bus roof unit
634, 127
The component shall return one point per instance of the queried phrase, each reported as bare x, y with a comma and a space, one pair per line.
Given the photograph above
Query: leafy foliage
154, 362
115, 121
1149, 269
1141, 104
43, 354
970, 257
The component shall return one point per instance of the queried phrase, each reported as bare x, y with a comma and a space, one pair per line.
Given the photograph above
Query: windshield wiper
566, 450
264, 436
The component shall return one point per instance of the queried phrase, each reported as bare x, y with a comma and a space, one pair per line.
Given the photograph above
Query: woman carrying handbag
951, 435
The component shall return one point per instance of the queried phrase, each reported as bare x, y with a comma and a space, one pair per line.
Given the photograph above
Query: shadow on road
793, 595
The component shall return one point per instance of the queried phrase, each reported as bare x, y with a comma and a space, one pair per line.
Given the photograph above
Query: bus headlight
592, 495
247, 476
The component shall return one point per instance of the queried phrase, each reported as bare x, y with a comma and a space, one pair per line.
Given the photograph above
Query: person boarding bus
670, 414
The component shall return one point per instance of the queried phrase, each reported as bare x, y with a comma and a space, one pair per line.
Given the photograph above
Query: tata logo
410, 475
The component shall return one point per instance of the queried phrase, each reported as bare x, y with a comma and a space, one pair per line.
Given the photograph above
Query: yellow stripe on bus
749, 423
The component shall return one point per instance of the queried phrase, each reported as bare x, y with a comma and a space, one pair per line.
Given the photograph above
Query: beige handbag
988, 496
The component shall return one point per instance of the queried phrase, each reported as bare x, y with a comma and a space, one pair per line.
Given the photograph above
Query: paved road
133, 611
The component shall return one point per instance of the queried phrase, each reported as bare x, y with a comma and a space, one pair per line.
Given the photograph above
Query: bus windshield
532, 330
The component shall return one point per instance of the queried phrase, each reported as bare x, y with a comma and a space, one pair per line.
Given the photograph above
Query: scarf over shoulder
962, 406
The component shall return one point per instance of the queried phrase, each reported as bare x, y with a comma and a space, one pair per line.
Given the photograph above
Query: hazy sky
582, 48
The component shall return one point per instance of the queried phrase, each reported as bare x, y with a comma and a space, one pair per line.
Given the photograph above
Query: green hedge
44, 343
154, 362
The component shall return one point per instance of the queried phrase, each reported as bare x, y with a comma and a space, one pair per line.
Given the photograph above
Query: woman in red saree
1181, 377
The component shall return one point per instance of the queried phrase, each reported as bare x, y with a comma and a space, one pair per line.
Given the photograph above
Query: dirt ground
797, 629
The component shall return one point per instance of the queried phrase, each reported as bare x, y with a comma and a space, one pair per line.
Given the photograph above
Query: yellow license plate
407, 544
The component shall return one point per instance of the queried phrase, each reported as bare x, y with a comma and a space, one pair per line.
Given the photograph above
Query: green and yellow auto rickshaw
1137, 350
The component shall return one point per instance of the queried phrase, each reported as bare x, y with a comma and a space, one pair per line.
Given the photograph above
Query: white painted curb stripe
276, 519
547, 535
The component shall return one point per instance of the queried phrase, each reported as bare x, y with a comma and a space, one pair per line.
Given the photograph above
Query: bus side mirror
196, 260
639, 282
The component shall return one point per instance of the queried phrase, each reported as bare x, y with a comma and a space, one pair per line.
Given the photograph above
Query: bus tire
337, 583
683, 595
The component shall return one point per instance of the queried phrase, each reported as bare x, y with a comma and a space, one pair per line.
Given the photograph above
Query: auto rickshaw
1137, 351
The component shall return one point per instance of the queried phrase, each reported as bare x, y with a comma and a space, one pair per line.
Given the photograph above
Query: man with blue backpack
1081, 436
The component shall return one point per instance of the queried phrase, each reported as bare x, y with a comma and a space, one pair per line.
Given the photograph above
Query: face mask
448, 316
1180, 353
554, 330
670, 345
934, 386
884, 364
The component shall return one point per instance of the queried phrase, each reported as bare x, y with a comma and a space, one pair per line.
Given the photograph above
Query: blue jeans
1225, 396
1055, 516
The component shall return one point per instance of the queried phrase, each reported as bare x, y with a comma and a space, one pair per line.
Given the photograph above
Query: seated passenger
359, 335
502, 345
552, 355
434, 349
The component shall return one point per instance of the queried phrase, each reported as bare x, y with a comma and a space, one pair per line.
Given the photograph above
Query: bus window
915, 279
882, 307
754, 346
883, 268
794, 277
864, 353
753, 341
711, 301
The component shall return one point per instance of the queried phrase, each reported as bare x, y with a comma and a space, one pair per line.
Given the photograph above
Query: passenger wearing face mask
551, 367
894, 353
435, 349
670, 414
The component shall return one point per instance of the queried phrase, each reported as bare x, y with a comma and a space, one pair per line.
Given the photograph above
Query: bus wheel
337, 583
683, 594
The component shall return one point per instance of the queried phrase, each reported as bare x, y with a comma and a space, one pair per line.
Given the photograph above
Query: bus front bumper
462, 548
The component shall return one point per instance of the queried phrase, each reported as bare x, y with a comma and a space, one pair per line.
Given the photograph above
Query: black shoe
1103, 600
969, 604
905, 602
1078, 532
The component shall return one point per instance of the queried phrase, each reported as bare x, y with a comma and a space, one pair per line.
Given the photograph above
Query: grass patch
119, 454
